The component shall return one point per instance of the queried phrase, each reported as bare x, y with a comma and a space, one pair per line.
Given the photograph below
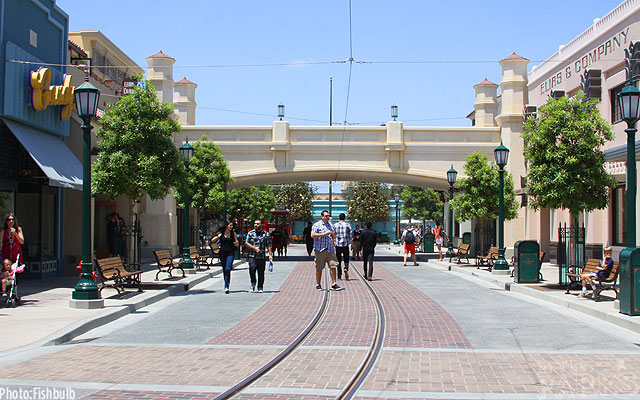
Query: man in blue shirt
323, 235
258, 243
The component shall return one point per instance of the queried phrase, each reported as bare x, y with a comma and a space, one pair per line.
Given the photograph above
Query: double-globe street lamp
186, 150
452, 174
397, 199
501, 154
86, 97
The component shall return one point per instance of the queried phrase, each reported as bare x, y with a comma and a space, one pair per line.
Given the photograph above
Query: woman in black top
226, 236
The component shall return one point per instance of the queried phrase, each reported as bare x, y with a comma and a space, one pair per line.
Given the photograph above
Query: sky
423, 56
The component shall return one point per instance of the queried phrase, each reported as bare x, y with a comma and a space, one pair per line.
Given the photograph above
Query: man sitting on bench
604, 269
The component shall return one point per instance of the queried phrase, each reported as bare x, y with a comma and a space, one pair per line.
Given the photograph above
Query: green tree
251, 201
480, 197
367, 201
421, 203
137, 152
565, 161
207, 178
297, 198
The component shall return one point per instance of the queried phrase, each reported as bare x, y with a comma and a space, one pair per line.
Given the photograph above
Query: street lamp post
186, 150
86, 97
501, 266
629, 100
394, 112
397, 199
451, 178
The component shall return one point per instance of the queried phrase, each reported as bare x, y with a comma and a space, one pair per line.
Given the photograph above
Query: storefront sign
44, 95
619, 40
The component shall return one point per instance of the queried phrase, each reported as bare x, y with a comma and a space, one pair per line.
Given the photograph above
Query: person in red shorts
409, 240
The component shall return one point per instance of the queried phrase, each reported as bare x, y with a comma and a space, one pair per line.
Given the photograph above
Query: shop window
619, 216
615, 106
7, 202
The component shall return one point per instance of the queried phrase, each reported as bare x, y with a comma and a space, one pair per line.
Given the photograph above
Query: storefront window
28, 217
6, 202
48, 246
615, 106
619, 216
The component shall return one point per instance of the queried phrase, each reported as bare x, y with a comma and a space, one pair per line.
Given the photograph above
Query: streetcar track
361, 372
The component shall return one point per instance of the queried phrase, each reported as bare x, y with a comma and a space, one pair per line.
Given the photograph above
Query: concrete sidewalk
45, 318
607, 309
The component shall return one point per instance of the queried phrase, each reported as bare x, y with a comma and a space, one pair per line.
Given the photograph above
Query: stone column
184, 101
160, 74
395, 145
486, 105
280, 143
514, 98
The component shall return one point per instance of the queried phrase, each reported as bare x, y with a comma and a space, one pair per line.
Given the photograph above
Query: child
5, 275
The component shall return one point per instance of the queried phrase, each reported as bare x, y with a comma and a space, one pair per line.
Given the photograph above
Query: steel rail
232, 391
376, 346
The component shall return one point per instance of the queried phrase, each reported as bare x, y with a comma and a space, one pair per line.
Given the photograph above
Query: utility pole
330, 124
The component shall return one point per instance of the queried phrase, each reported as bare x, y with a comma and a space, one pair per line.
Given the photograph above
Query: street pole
501, 266
631, 186
450, 244
186, 150
86, 289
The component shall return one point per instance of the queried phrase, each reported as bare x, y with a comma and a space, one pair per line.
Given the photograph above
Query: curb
621, 320
80, 327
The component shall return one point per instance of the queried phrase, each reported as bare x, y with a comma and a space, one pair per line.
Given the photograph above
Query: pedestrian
121, 239
276, 242
323, 235
285, 240
228, 241
308, 240
355, 242
343, 236
603, 270
368, 240
440, 235
112, 233
408, 239
12, 239
258, 243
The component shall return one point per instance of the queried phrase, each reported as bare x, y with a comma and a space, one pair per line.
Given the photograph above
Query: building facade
596, 56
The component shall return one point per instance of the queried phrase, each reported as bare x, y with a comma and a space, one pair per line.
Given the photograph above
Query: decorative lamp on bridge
186, 151
501, 266
86, 294
452, 174
280, 111
394, 112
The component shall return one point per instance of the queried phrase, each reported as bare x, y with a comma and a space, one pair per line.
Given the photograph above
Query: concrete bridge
418, 156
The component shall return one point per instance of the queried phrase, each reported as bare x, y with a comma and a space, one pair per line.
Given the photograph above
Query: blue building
36, 164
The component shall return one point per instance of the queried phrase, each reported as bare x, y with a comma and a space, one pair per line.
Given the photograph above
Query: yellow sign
44, 95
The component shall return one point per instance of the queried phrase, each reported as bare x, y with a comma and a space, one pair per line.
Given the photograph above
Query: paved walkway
450, 334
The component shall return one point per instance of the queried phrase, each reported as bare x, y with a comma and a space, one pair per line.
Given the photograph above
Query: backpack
409, 237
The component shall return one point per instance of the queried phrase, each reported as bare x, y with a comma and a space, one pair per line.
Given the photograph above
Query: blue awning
51, 154
619, 153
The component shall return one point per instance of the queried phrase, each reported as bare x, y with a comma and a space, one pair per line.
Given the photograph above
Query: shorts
439, 241
324, 257
410, 248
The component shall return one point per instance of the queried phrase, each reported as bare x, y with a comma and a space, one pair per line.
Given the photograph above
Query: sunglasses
10, 219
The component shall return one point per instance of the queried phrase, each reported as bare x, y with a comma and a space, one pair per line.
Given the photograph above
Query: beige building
599, 50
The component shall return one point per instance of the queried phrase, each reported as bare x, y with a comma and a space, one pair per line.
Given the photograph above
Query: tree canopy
367, 201
480, 194
251, 201
207, 178
297, 198
421, 203
137, 153
563, 152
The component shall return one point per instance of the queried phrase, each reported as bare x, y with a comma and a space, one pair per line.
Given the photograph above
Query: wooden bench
166, 262
606, 284
199, 260
489, 259
463, 251
112, 269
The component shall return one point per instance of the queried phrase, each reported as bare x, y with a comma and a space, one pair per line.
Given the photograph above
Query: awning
619, 153
51, 154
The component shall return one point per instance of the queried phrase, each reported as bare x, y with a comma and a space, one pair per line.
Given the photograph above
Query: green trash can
427, 242
629, 281
527, 263
466, 238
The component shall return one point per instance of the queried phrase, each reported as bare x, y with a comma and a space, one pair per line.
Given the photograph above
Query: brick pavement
425, 353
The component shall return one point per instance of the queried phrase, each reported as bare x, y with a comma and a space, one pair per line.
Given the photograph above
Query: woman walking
12, 238
226, 236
